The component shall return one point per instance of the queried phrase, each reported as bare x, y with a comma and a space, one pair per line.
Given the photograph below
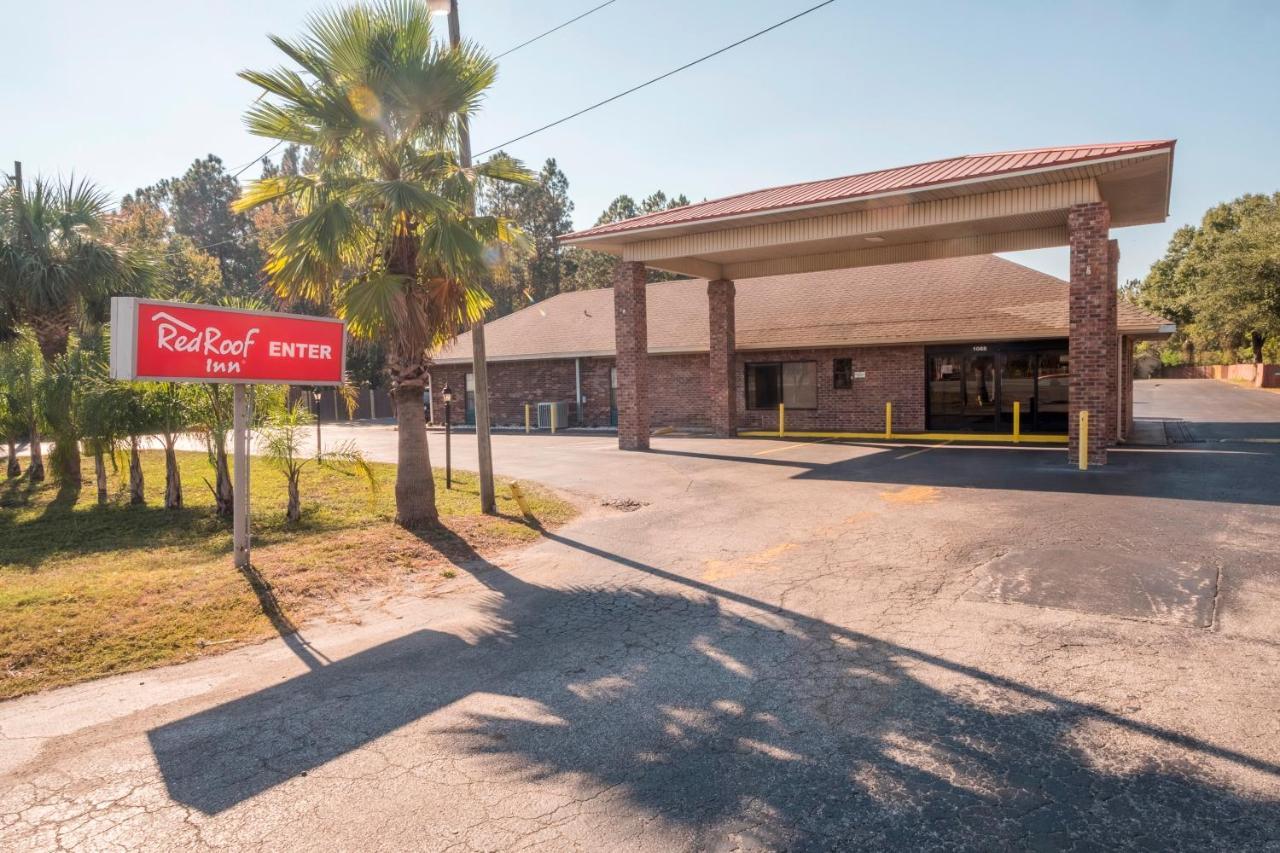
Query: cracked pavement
788, 646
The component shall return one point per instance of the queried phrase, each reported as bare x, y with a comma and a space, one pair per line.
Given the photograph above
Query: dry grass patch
87, 591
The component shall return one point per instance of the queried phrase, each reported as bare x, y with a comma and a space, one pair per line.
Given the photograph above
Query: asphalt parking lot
776, 645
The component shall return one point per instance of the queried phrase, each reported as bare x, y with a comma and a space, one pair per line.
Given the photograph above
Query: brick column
1113, 342
720, 387
631, 338
1126, 387
1092, 329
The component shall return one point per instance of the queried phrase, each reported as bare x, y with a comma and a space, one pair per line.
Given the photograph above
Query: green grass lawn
86, 591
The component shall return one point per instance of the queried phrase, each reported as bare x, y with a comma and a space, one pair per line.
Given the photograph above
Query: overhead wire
657, 79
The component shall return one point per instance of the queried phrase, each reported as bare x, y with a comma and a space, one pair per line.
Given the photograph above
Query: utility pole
478, 365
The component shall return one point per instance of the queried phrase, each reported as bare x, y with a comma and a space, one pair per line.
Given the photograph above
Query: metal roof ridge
638, 221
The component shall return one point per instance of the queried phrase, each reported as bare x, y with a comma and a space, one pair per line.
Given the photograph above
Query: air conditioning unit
544, 415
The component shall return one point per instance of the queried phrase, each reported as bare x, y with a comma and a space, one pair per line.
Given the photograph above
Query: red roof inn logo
200, 343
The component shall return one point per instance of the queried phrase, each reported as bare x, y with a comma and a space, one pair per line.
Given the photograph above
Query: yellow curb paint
960, 437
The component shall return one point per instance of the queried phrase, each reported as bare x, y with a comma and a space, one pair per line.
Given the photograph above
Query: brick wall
631, 337
1259, 375
512, 384
678, 390
894, 375
1092, 328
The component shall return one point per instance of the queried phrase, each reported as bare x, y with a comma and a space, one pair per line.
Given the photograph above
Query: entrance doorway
973, 388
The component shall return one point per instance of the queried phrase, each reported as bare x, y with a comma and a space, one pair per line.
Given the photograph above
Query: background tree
543, 212
183, 271
1220, 281
383, 232
592, 270
199, 204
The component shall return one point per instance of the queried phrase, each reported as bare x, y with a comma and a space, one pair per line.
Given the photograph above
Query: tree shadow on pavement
732, 721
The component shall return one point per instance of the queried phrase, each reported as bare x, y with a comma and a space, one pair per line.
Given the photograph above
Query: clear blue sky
132, 91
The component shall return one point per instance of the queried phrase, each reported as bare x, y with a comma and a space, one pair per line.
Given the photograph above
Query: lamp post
315, 396
446, 394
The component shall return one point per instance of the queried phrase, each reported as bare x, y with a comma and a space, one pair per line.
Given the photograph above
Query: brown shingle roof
979, 298
920, 175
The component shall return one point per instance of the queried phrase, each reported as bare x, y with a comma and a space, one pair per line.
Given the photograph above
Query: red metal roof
967, 167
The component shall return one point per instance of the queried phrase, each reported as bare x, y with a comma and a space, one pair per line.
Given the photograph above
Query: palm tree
58, 268
385, 232
285, 434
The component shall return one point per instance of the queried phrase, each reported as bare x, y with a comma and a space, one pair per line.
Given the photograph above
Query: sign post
240, 513
176, 342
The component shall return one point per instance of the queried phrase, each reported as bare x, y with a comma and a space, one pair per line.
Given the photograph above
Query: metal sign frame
124, 342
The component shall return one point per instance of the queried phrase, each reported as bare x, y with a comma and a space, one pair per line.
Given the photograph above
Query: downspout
577, 386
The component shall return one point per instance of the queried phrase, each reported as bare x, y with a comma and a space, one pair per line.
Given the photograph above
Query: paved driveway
808, 646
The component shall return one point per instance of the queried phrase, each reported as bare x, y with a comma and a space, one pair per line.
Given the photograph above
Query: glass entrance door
973, 388
981, 392
963, 391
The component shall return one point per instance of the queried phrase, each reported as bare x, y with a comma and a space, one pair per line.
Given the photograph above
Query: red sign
172, 341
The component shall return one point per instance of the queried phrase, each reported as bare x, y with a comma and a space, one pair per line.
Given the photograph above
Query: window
842, 373
793, 383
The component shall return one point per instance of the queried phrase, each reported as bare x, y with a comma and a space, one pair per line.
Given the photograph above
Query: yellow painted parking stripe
789, 447
922, 450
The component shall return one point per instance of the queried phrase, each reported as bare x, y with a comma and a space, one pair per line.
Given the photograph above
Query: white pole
577, 386
240, 513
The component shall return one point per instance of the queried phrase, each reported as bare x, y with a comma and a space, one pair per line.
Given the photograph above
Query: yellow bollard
528, 418
888, 420
782, 419
553, 420
520, 499
1083, 450
1017, 421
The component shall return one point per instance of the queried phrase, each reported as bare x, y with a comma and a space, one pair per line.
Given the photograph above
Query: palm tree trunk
100, 474
35, 468
67, 457
136, 495
223, 490
294, 512
415, 488
172, 476
52, 330
14, 469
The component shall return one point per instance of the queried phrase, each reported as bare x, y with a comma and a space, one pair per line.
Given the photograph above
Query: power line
507, 52
555, 29
258, 159
657, 79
